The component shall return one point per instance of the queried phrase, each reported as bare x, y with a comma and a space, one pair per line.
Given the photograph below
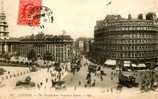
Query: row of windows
56, 50
126, 23
131, 35
38, 50
142, 41
128, 28
128, 48
132, 55
58, 56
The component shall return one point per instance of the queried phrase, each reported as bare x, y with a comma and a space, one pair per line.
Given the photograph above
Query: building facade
121, 39
60, 47
83, 45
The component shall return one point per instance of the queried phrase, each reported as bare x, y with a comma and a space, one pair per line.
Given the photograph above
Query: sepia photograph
78, 49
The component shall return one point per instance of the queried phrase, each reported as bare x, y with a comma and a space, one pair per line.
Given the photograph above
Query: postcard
78, 49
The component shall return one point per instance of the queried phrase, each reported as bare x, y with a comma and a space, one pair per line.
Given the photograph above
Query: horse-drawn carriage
128, 81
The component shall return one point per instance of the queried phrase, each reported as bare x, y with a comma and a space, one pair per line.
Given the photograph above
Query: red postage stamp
28, 12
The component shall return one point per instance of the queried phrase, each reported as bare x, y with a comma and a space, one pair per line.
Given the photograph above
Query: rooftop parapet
117, 20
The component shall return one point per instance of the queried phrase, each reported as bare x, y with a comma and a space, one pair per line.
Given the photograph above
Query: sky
76, 17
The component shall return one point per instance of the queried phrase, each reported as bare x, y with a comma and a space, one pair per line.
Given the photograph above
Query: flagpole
108, 7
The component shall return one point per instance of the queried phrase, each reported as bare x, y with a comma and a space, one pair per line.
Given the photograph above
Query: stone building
131, 39
60, 47
83, 45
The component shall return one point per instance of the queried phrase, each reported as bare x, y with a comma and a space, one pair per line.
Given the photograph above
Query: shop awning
127, 65
141, 65
134, 65
110, 62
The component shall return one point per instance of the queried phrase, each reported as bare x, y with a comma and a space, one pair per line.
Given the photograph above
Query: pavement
12, 75
73, 80
103, 89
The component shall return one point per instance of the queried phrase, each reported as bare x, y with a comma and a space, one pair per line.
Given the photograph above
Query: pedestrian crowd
56, 74
92, 76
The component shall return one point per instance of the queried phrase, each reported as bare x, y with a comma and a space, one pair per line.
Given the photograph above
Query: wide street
74, 79
103, 88
71, 80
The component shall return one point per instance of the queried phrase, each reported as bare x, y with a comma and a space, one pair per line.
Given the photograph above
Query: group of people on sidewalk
92, 76
54, 76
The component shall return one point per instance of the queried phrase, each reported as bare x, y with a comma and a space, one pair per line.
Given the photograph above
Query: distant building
83, 45
134, 40
60, 47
